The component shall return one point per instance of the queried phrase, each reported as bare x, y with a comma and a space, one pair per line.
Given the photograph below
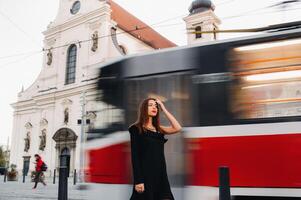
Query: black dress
149, 165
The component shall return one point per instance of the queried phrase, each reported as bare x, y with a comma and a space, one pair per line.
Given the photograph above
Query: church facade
50, 115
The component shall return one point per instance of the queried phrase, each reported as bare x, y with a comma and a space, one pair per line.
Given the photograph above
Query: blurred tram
239, 102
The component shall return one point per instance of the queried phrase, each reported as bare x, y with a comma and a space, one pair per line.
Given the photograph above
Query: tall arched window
71, 64
198, 29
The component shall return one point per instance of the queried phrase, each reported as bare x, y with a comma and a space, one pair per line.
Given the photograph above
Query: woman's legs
36, 179
42, 178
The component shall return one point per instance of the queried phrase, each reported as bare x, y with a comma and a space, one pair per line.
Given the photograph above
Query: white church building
84, 35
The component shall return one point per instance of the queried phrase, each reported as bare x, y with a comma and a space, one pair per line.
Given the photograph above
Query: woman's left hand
161, 105
175, 126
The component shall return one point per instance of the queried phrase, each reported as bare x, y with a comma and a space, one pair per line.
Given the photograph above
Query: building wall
48, 97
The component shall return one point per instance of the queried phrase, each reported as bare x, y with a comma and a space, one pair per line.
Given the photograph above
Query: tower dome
200, 6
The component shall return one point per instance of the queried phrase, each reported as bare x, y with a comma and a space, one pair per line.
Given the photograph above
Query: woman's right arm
135, 152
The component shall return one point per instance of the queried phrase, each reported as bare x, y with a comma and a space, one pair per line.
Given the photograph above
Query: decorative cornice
105, 10
208, 14
51, 97
93, 25
66, 102
50, 41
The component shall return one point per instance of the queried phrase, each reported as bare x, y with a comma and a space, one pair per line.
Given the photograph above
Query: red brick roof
129, 23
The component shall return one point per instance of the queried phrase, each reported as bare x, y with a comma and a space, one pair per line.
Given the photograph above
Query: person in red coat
39, 172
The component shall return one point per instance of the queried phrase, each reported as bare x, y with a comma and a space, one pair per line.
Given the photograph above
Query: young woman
147, 150
39, 172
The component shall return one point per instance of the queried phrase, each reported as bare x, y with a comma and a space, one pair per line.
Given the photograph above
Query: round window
75, 7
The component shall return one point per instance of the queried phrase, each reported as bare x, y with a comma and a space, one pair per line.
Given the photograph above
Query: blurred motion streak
239, 102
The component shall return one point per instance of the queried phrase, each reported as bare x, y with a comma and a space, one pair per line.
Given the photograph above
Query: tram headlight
274, 76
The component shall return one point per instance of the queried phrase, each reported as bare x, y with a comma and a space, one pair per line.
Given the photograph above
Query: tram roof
184, 58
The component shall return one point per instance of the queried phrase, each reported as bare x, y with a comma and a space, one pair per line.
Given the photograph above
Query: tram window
106, 113
173, 90
109, 119
267, 79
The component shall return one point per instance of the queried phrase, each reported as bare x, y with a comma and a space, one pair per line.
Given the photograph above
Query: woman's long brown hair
143, 117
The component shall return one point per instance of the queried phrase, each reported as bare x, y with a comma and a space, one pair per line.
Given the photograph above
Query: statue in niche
94, 41
66, 116
49, 57
43, 140
27, 142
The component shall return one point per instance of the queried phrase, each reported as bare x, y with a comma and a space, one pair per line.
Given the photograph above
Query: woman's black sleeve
136, 153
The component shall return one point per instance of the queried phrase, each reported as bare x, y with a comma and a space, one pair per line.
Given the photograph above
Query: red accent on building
129, 23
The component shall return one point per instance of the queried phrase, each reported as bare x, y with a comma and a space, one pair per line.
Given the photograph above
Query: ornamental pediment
66, 102
43, 122
64, 134
91, 115
28, 125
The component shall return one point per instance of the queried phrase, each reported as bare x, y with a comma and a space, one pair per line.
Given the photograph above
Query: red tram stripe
254, 161
109, 165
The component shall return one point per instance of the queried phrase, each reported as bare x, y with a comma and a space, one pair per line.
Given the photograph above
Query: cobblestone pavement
17, 190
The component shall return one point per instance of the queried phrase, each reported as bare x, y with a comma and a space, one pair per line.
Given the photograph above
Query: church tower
201, 18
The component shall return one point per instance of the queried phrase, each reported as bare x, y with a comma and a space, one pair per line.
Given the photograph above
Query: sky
22, 24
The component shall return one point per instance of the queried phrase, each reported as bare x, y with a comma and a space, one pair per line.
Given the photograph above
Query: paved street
16, 190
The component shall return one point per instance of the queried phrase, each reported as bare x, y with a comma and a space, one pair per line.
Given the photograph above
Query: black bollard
74, 177
23, 176
63, 184
63, 177
5, 175
54, 176
224, 184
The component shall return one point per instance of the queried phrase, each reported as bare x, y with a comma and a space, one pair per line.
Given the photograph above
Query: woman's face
152, 108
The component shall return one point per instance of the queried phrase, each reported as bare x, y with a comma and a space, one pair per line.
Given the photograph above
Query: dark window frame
198, 35
71, 65
75, 7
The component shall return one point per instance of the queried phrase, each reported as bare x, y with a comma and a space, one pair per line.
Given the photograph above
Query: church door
65, 139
